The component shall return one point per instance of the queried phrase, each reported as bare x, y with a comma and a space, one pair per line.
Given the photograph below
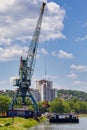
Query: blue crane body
27, 67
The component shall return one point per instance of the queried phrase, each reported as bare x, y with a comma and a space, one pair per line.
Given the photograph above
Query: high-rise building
35, 93
46, 90
53, 93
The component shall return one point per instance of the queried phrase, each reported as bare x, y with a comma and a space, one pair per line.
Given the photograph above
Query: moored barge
64, 118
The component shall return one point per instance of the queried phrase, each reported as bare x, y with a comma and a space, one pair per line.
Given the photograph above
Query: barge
19, 113
64, 118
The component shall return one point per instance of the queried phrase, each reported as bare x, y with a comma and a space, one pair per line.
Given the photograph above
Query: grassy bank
18, 123
82, 115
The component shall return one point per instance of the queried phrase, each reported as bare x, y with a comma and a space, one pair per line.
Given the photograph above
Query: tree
77, 106
66, 107
4, 103
57, 105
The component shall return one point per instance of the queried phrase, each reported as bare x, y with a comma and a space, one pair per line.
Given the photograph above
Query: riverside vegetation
67, 101
18, 123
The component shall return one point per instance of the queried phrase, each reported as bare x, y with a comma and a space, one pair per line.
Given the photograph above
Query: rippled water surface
82, 125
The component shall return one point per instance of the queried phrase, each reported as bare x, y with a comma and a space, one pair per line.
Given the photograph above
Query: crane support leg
34, 102
13, 100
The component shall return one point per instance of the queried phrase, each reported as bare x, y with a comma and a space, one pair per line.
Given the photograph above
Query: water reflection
47, 126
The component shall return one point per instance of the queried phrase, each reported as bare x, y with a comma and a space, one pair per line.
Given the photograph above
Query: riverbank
82, 115
19, 123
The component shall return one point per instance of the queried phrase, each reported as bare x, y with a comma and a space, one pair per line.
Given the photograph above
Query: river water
82, 125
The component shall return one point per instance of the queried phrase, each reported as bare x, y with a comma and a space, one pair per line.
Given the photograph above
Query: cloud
12, 52
41, 51
63, 54
82, 38
19, 17
53, 22
80, 83
80, 68
5, 4
12, 78
6, 41
72, 75
44, 51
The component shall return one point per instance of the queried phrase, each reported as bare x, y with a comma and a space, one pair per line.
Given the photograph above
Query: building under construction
46, 90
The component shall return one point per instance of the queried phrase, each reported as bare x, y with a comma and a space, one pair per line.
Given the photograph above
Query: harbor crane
27, 67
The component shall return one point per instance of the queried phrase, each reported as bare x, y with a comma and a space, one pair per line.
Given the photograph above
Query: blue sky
62, 47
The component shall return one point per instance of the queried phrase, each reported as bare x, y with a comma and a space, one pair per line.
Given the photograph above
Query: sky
62, 48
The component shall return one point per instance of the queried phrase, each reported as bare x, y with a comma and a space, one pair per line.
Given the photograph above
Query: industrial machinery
27, 67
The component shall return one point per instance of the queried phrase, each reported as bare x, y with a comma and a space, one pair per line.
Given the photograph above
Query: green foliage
67, 101
70, 94
8, 93
4, 103
63, 106
18, 123
66, 107
29, 123
57, 105
18, 103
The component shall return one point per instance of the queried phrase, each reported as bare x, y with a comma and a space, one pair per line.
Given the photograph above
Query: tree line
69, 94
66, 106
58, 105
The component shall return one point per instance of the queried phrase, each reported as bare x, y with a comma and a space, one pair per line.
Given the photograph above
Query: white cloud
63, 54
53, 22
5, 4
44, 51
80, 68
12, 78
5, 41
12, 52
82, 38
80, 83
72, 75
19, 17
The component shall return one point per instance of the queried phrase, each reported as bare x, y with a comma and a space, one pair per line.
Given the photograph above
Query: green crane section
27, 67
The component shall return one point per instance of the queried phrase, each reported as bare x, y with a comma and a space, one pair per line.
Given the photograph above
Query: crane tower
27, 67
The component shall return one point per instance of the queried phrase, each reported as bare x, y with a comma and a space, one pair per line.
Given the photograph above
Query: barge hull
64, 119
